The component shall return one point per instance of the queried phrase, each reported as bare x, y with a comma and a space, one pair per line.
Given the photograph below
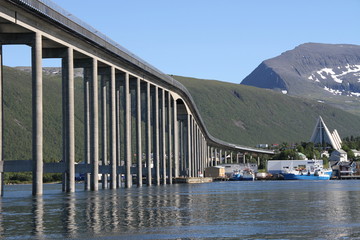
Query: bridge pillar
176, 140
217, 157
188, 150
163, 138
112, 129
37, 115
1, 126
128, 152
148, 135
182, 157
68, 118
209, 157
170, 142
138, 131
118, 129
87, 78
196, 149
104, 147
94, 127
156, 136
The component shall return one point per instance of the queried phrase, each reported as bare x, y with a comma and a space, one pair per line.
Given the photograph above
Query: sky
214, 39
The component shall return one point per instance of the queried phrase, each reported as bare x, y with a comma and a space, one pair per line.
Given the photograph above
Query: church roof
321, 134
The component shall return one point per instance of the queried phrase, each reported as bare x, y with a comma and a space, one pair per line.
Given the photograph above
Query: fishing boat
313, 171
243, 175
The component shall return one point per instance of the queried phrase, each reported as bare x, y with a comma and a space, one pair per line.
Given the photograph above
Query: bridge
122, 93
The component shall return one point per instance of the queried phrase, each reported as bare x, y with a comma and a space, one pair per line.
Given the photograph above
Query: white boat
313, 171
243, 175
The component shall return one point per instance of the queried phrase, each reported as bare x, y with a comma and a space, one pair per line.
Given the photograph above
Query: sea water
219, 210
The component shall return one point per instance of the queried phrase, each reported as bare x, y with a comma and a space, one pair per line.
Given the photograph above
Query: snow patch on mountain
333, 91
326, 73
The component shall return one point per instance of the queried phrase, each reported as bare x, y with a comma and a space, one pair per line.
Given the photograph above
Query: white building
338, 156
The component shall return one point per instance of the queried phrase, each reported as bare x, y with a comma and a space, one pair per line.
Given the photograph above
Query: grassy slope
247, 115
17, 116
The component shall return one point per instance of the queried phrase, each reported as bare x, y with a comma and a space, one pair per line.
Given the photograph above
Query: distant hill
327, 73
249, 116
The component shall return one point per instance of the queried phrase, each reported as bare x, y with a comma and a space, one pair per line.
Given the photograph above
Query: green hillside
232, 112
17, 116
249, 116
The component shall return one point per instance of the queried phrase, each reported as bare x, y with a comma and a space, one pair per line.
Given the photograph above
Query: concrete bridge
121, 93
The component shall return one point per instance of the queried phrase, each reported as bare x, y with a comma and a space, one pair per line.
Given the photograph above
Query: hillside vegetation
234, 113
249, 116
18, 121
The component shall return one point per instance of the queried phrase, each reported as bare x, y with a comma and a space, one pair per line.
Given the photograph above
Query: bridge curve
176, 138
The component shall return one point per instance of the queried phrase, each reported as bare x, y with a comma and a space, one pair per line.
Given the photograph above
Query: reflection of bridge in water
171, 139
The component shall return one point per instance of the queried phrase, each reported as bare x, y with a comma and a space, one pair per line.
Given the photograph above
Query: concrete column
176, 140
182, 157
148, 134
104, 147
112, 129
209, 157
94, 128
138, 131
216, 157
193, 170
244, 158
163, 134
225, 157
68, 66
37, 115
170, 152
231, 157
195, 148
87, 77
128, 132
118, 137
1, 123
188, 154
156, 136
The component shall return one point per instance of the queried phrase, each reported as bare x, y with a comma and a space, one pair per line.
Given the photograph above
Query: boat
243, 175
313, 171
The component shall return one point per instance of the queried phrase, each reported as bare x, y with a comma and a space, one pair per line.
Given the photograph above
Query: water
221, 210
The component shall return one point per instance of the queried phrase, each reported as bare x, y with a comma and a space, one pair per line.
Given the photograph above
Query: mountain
249, 116
328, 73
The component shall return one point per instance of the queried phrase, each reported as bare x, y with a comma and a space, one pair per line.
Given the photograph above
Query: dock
193, 180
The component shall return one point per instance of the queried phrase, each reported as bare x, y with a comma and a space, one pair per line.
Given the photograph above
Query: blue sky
216, 39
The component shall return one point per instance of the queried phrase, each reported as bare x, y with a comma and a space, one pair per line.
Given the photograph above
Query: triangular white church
321, 134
